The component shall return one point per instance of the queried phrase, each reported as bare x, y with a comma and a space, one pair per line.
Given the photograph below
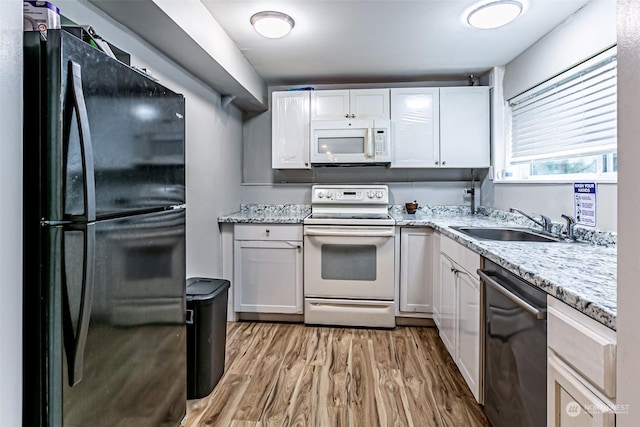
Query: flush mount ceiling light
271, 24
495, 14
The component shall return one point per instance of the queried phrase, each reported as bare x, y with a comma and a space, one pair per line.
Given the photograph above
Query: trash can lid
202, 288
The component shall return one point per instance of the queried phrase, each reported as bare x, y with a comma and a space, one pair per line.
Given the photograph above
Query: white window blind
573, 114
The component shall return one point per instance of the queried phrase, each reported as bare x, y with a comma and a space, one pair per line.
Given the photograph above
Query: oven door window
349, 262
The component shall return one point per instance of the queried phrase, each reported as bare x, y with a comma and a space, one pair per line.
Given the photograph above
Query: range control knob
371, 194
329, 194
379, 194
320, 194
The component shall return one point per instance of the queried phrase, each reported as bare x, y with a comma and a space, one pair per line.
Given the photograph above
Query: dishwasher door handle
488, 278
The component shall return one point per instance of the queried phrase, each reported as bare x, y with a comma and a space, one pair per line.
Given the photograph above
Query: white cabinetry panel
415, 127
459, 301
464, 127
268, 272
290, 130
448, 304
581, 369
359, 104
416, 269
570, 402
468, 330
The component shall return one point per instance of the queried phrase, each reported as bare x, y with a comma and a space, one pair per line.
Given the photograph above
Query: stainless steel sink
516, 234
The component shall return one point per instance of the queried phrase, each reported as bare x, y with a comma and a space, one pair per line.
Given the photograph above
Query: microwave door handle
368, 143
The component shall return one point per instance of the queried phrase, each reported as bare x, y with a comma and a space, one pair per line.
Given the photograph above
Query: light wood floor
279, 374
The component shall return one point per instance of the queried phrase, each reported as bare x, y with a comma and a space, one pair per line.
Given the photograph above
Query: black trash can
206, 334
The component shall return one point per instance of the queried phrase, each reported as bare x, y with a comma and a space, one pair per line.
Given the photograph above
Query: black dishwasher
515, 349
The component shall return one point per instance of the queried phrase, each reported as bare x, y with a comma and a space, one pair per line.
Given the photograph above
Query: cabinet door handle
346, 116
444, 163
294, 244
437, 162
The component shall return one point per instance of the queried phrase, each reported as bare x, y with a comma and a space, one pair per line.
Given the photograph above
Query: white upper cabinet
430, 127
360, 104
440, 127
415, 127
464, 127
290, 129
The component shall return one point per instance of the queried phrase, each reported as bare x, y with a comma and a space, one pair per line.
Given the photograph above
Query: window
566, 128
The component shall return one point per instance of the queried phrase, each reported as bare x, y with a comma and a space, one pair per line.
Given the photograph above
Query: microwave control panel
380, 140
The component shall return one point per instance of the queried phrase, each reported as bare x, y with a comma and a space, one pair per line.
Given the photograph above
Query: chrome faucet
544, 222
571, 222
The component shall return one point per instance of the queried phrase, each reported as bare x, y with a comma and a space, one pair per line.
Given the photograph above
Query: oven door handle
347, 232
487, 277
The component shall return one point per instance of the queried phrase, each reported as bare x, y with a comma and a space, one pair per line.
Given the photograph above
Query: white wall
628, 208
425, 193
213, 139
591, 30
11, 212
553, 200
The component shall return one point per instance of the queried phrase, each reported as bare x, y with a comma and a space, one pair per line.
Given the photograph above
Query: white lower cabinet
268, 268
459, 310
581, 369
416, 270
468, 329
447, 296
436, 307
570, 403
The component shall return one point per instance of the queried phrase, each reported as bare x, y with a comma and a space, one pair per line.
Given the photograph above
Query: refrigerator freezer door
130, 368
136, 129
135, 351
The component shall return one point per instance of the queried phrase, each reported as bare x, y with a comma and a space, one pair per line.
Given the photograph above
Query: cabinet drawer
267, 232
571, 403
586, 345
464, 257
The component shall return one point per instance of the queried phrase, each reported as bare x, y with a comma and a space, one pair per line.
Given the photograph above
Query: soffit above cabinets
193, 39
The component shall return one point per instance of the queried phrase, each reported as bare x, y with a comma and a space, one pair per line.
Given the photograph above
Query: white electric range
349, 257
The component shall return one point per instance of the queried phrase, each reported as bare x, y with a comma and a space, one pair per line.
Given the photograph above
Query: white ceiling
341, 41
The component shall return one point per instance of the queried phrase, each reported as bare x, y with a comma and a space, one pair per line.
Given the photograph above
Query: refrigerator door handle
74, 343
86, 148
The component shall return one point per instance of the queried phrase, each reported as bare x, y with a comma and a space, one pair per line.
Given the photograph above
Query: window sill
555, 181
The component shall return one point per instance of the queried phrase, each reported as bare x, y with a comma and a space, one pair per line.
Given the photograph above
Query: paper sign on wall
584, 202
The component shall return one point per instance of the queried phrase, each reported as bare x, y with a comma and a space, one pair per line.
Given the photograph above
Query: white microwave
350, 142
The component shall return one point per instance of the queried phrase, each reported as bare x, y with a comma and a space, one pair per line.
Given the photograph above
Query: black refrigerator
104, 240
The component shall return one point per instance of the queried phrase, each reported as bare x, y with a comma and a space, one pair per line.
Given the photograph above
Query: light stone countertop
268, 214
582, 275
